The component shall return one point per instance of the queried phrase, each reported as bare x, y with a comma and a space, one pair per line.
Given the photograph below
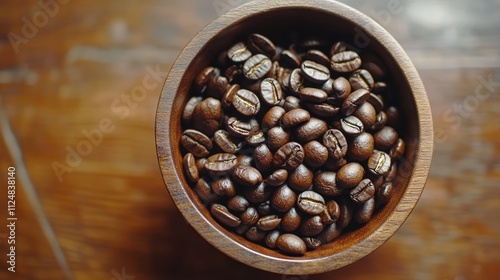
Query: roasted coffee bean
341, 88
190, 169
187, 114
385, 138
239, 128
201, 81
256, 139
264, 208
257, 194
338, 47
364, 212
311, 226
291, 244
269, 222
311, 202
329, 233
224, 187
291, 220
205, 192
227, 97
239, 52
360, 147
311, 130
380, 87
241, 229
227, 142
207, 116
222, 214
334, 164
324, 183
255, 234
257, 67
314, 95
271, 92
379, 163
363, 191
246, 102
233, 72
284, 78
277, 178
244, 159
196, 143
296, 80
331, 213
258, 43
291, 102
289, 156
350, 175
335, 143
380, 121
374, 65
238, 203
377, 180
250, 216
391, 174
217, 86
200, 165
283, 199
361, 79
351, 126
220, 164
346, 212
312, 243
318, 57
366, 114
322, 109
345, 61
275, 69
301, 178
277, 137
295, 117
263, 158
272, 117
383, 195
290, 59
271, 238
328, 86
315, 154
251, 85
355, 99
393, 117
376, 102
315, 72
247, 175
398, 149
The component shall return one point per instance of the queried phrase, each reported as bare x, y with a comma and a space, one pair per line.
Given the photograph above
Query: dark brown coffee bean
345, 61
393, 116
366, 114
256, 138
301, 178
295, 117
323, 110
238, 203
271, 92
257, 194
350, 175
275, 70
246, 102
257, 67
291, 102
315, 72
324, 183
200, 165
311, 202
361, 78
239, 128
204, 191
247, 175
264, 208
272, 117
363, 191
269, 222
277, 178
187, 114
239, 52
201, 81
189, 165
296, 80
334, 164
221, 214
312, 243
241, 229
311, 130
380, 121
383, 195
315, 154
258, 43
376, 102
271, 238
318, 57
196, 143
255, 234
291, 244
284, 78
263, 158
220, 164
355, 99
329, 233
346, 213
227, 97
289, 156
335, 143
290, 59
398, 149
224, 187
244, 159
377, 180
291, 220
374, 65
364, 212
233, 73
331, 213
216, 87
314, 95
379, 163
227, 142
385, 138
277, 137
207, 116
351, 126
380, 87
283, 199
311, 226
250, 216
328, 86
341, 88
391, 174
338, 47
360, 147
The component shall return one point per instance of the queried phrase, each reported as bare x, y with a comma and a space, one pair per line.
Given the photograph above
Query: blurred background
77, 123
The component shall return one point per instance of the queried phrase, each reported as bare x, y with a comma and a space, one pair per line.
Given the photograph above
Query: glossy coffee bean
291, 244
227, 97
351, 126
315, 154
361, 79
365, 211
291, 102
272, 117
363, 191
295, 117
318, 57
190, 169
187, 114
380, 121
312, 243
246, 102
376, 101
331, 213
301, 178
257, 67
345, 61
277, 178
315, 72
277, 137
257, 194
263, 158
322, 110
250, 216
238, 203
330, 233
296, 80
256, 139
311, 226
360, 147
220, 164
200, 165
224, 187
239, 128
289, 156
398, 149
269, 222
355, 99
384, 194
271, 238
227, 142
310, 202
337, 47
366, 114
271, 92
222, 214
264, 208
290, 59
374, 65
291, 220
350, 175
207, 116
216, 87
314, 95
379, 163
233, 73
393, 116
325, 183
244, 159
241, 229
247, 175
346, 213
380, 87
283, 199
255, 234
334, 164
385, 138
311, 130
341, 88
391, 174
239, 52
336, 143
204, 191
196, 142
202, 79
258, 43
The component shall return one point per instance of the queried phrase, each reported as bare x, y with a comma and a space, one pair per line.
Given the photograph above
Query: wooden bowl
280, 16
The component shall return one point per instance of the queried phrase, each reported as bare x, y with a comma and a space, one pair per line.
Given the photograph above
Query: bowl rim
219, 239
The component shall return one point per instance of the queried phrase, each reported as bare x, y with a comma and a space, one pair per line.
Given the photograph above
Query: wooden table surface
90, 200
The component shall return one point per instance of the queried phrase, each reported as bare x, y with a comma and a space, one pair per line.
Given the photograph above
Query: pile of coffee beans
290, 145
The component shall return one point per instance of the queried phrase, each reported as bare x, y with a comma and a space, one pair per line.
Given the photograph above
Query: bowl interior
274, 22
